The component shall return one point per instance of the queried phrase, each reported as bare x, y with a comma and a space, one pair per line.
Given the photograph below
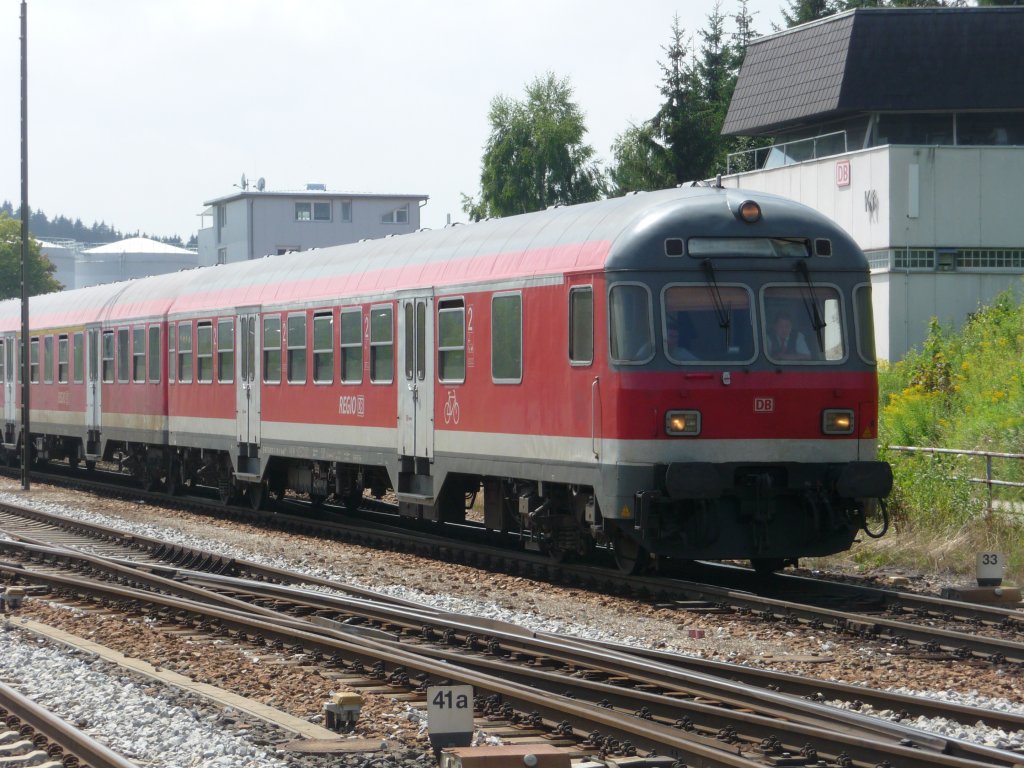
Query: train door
93, 388
416, 377
9, 379
248, 377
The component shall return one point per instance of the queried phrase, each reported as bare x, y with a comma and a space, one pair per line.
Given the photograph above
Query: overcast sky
141, 110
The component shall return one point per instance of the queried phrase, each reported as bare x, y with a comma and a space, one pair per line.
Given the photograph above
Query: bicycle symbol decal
451, 408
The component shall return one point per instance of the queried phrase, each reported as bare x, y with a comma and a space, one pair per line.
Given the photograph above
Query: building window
78, 356
581, 325
33, 360
154, 353
310, 211
107, 360
346, 210
222, 255
48, 359
399, 215
382, 345
350, 334
123, 356
185, 352
323, 348
272, 350
204, 352
507, 339
226, 351
451, 341
296, 349
222, 220
138, 355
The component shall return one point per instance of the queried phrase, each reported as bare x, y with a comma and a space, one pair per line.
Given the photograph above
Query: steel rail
72, 741
457, 666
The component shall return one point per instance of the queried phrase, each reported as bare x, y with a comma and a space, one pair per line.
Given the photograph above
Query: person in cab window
676, 350
785, 343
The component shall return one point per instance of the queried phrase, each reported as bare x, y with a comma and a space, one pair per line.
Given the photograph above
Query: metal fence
988, 480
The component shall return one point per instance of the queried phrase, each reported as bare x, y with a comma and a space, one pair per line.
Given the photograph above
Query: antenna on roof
243, 184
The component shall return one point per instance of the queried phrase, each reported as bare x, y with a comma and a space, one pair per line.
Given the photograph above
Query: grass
962, 390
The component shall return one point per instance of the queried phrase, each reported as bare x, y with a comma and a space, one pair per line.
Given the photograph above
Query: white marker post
450, 716
990, 567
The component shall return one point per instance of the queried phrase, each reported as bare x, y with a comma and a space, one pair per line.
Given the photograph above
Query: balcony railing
787, 153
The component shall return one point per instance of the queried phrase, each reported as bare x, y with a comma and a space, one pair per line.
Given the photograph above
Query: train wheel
226, 492
257, 496
630, 555
354, 499
766, 566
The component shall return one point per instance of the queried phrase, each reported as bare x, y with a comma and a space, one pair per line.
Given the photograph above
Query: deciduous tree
40, 270
536, 156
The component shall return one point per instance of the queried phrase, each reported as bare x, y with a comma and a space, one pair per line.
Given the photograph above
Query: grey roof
311, 194
881, 59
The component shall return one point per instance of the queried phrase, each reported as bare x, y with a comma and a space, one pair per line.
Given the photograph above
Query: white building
906, 126
128, 259
254, 222
62, 254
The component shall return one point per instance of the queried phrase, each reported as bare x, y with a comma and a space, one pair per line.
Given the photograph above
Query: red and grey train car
607, 373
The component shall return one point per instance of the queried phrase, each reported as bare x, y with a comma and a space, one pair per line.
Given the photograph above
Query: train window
62, 359
123, 355
33, 360
708, 323
382, 345
154, 353
107, 358
629, 317
802, 323
297, 349
78, 357
323, 347
48, 359
410, 340
185, 352
204, 351
3, 361
507, 339
864, 321
138, 355
226, 350
272, 350
350, 338
172, 356
451, 341
581, 325
748, 247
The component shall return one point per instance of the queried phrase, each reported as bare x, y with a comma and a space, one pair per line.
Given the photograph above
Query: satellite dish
261, 184
244, 184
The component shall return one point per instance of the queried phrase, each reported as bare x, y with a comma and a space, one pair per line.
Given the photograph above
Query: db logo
764, 404
843, 173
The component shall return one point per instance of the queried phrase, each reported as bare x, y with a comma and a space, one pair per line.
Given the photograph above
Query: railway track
572, 688
31, 735
910, 622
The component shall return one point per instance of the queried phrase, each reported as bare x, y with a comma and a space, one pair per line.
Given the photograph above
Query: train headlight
837, 422
749, 211
682, 423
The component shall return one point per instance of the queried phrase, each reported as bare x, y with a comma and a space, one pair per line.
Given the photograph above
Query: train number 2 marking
764, 404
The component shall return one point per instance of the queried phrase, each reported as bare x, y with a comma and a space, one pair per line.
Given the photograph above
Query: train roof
619, 233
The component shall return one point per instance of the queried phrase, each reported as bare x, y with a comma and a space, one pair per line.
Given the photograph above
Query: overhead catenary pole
26, 448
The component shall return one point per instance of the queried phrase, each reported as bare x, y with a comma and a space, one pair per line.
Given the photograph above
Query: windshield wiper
809, 303
716, 298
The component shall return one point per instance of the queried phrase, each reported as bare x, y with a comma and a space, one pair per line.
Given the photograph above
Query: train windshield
803, 323
708, 323
629, 310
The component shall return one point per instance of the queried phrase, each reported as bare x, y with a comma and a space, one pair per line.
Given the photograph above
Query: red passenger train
679, 374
